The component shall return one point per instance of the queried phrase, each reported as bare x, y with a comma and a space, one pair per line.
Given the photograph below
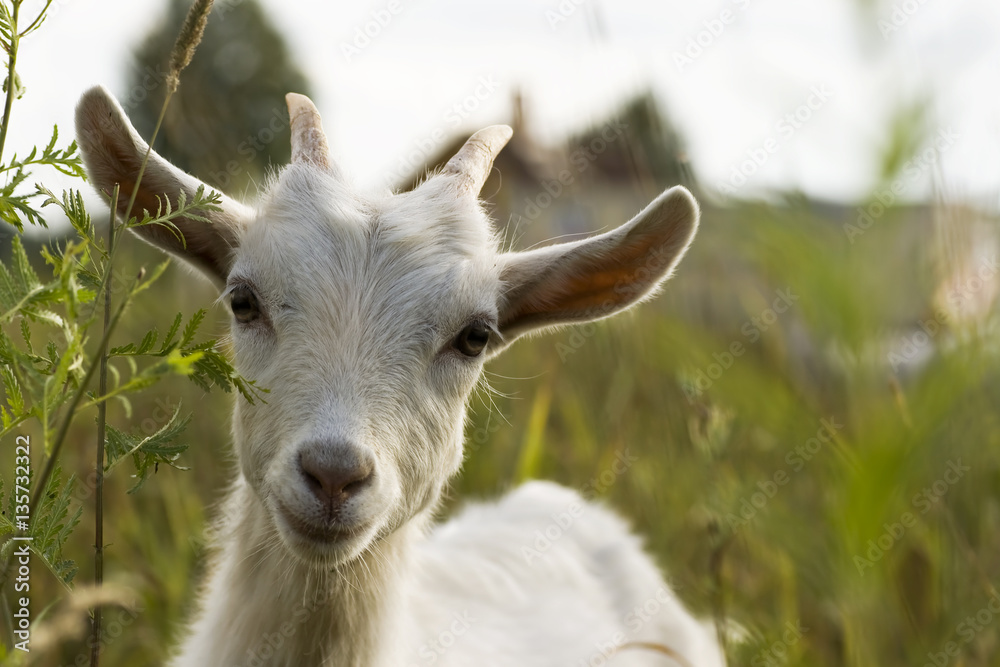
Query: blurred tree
227, 122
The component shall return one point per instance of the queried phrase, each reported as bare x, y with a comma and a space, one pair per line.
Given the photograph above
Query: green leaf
148, 341
184, 364
192, 327
168, 340
148, 451
55, 392
52, 525
73, 207
12, 390
66, 161
214, 369
26, 334
19, 88
16, 208
6, 29
166, 213
20, 288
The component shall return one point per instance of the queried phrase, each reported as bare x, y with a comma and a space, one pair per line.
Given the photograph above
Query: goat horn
472, 164
308, 139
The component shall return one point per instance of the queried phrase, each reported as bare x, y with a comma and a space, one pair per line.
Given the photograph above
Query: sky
768, 94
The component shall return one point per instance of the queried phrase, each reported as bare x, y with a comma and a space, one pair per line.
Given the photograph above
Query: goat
369, 318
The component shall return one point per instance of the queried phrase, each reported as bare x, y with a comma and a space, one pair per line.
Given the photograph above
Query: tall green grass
564, 406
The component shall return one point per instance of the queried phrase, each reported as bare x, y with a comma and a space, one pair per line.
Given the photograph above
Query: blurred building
598, 177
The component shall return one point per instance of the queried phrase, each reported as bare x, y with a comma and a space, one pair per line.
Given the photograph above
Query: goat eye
472, 340
243, 303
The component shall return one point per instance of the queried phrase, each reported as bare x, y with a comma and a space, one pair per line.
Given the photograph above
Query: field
803, 424
798, 451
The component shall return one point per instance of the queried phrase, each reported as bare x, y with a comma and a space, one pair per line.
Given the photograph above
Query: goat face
368, 320
369, 317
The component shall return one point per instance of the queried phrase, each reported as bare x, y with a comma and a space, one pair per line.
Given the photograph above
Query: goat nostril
334, 481
312, 482
353, 487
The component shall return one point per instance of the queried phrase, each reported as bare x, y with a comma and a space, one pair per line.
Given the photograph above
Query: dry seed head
188, 40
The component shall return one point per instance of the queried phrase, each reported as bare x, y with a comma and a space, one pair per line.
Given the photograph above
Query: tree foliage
228, 123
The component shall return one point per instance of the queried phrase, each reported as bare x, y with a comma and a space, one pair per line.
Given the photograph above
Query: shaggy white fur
369, 318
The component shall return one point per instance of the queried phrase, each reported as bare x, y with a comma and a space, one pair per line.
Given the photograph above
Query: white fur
363, 296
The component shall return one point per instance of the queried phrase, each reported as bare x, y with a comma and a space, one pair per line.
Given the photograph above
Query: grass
759, 478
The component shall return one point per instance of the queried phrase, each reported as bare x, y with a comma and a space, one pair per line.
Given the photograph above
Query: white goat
369, 318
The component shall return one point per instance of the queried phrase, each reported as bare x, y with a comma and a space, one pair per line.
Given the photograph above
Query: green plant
50, 348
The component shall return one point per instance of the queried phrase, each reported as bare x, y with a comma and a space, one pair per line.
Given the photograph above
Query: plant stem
50, 463
112, 247
11, 77
38, 19
145, 158
102, 413
71, 412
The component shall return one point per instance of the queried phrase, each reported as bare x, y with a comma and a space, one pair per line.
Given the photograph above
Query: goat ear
600, 276
113, 151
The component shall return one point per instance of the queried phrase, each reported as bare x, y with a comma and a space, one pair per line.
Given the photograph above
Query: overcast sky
575, 60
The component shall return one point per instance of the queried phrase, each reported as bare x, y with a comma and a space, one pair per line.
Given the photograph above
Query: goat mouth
327, 532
